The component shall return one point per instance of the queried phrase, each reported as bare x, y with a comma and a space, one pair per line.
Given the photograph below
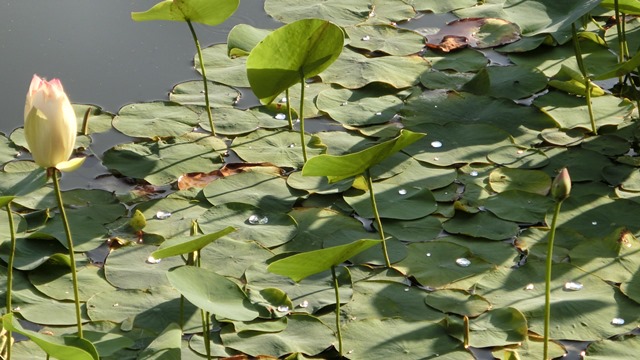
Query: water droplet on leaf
366, 38
402, 192
280, 116
304, 304
152, 260
436, 144
161, 215
473, 173
282, 308
529, 287
617, 321
573, 286
464, 262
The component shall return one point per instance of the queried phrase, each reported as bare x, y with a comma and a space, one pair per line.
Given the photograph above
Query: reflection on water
101, 56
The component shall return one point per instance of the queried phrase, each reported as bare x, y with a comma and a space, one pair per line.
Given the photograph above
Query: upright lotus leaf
629, 7
337, 168
302, 265
291, 54
189, 246
244, 37
59, 347
212, 292
208, 12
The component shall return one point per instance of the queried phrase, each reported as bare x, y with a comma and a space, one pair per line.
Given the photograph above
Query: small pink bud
561, 186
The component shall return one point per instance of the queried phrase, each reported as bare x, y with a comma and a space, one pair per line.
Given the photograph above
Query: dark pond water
101, 56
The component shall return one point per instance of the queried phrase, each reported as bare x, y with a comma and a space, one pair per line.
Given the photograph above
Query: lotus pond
389, 197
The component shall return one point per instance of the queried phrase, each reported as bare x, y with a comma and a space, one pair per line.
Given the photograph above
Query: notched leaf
478, 33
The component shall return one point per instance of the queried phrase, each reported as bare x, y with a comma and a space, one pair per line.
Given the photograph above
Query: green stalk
301, 116
289, 117
616, 11
204, 76
374, 207
12, 232
337, 292
466, 332
547, 281
72, 258
587, 81
85, 122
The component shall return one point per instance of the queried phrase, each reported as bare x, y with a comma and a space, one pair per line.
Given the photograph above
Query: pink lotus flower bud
561, 185
49, 123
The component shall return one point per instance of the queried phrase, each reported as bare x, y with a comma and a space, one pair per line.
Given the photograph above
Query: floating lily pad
583, 314
519, 206
341, 12
533, 181
527, 14
263, 191
192, 93
498, 327
265, 226
318, 224
123, 268
457, 143
55, 281
304, 333
562, 137
385, 38
440, 107
439, 263
457, 302
402, 301
370, 339
571, 111
394, 201
281, 148
163, 161
511, 82
357, 107
161, 119
625, 346
152, 309
435, 79
518, 157
353, 70
422, 229
465, 60
482, 224
477, 32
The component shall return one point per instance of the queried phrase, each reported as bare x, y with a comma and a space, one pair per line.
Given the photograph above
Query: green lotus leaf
341, 12
385, 38
291, 54
302, 265
243, 38
533, 181
337, 168
371, 339
208, 12
185, 247
63, 347
457, 302
353, 70
212, 292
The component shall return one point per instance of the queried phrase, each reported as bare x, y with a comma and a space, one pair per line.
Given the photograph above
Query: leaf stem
374, 207
301, 116
547, 281
336, 290
587, 81
72, 258
204, 76
12, 232
289, 117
